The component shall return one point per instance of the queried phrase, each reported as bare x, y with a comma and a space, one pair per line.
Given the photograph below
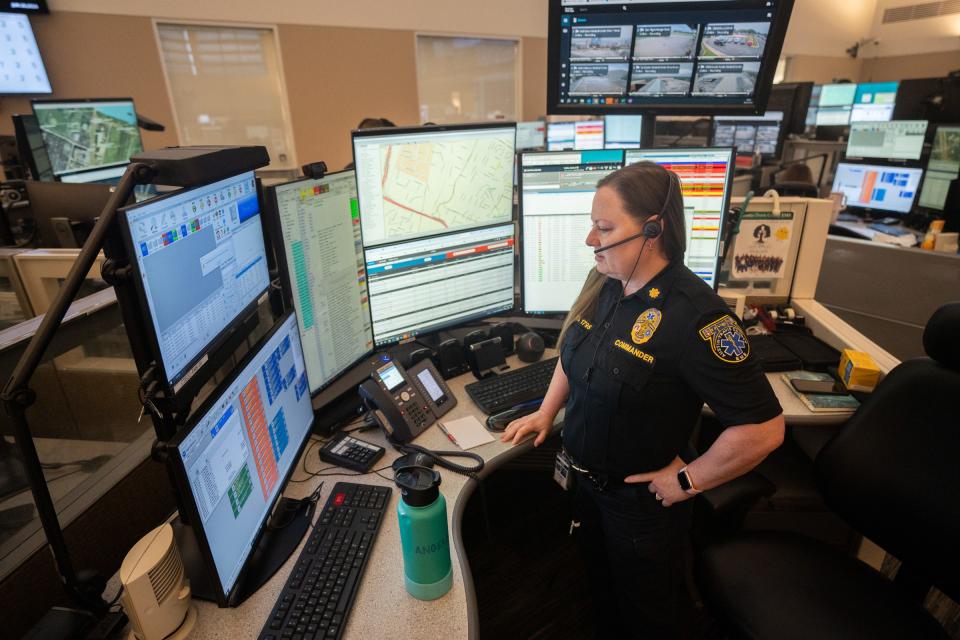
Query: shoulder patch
647, 322
727, 340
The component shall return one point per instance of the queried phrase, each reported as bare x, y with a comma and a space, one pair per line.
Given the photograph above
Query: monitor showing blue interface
882, 188
88, 134
622, 132
322, 265
556, 195
238, 453
874, 101
200, 263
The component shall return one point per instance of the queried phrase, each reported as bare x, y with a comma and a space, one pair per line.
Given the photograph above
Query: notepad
466, 433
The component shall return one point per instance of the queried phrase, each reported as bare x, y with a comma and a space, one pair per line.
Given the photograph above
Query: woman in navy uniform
644, 346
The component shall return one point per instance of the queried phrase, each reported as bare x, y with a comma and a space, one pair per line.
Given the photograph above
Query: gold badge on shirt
654, 293
647, 322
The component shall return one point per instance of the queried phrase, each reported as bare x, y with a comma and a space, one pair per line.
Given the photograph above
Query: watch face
684, 480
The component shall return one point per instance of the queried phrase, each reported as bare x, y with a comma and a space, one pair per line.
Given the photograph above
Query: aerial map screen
418, 183
88, 134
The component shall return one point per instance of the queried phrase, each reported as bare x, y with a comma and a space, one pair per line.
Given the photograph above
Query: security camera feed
665, 42
726, 78
88, 134
675, 56
734, 40
601, 43
598, 79
661, 79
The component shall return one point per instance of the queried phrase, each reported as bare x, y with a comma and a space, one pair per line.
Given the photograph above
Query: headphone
651, 227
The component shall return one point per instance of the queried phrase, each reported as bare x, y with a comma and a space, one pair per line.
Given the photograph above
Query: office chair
797, 189
891, 472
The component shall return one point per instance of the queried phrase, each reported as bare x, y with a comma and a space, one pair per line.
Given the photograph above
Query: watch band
686, 482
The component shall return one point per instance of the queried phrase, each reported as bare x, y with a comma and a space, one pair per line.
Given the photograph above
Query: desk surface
382, 608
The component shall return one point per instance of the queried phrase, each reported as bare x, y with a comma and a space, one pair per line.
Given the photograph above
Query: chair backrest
797, 189
893, 471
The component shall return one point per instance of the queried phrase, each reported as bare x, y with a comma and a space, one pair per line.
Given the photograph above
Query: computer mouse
499, 421
413, 460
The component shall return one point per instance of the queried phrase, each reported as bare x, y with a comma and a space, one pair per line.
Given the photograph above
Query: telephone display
406, 403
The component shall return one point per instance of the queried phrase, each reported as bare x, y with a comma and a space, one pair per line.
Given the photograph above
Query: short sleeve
719, 367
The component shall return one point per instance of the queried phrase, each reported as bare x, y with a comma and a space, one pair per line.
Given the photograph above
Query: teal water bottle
424, 536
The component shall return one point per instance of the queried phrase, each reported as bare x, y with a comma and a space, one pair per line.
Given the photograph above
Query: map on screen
87, 135
418, 185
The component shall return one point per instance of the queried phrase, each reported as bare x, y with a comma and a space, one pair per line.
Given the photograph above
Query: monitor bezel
182, 482
871, 212
26, 151
768, 67
520, 226
427, 129
727, 193
46, 72
463, 321
221, 347
48, 101
926, 168
276, 242
798, 104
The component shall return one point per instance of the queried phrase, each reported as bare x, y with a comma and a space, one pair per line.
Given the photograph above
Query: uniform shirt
640, 373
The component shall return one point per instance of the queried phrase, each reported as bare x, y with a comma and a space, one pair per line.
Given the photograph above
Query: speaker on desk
451, 361
530, 347
503, 331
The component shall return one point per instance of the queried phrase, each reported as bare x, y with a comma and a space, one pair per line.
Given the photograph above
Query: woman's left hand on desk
663, 482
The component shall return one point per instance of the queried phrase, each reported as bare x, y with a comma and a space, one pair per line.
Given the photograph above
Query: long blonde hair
643, 188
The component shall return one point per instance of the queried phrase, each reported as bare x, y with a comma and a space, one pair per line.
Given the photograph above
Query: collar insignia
653, 293
647, 322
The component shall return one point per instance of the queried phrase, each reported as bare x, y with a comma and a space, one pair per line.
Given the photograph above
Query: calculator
351, 453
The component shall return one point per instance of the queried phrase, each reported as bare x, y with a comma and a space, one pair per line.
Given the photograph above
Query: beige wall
329, 91
924, 65
822, 69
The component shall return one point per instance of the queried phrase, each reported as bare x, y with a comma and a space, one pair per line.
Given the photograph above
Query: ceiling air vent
920, 11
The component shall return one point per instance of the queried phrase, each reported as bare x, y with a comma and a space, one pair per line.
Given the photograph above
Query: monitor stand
280, 537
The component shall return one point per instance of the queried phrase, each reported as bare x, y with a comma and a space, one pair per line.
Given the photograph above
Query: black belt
599, 480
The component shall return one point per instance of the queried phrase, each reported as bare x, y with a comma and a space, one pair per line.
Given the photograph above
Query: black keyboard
505, 390
316, 600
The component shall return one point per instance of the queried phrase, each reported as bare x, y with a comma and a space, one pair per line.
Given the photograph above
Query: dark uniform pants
635, 551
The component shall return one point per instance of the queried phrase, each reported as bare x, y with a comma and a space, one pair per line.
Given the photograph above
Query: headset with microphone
651, 227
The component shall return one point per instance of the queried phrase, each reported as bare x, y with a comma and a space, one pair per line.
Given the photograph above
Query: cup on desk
839, 204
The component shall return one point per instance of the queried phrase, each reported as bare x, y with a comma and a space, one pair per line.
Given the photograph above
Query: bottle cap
419, 486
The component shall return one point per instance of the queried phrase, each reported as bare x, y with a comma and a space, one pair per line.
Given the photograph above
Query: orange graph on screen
256, 422
869, 182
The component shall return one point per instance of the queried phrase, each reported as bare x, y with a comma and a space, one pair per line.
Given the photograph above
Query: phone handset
402, 410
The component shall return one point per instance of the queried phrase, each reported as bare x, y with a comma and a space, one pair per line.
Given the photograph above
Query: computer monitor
874, 102
793, 99
814, 106
943, 168
750, 134
199, 268
588, 135
238, 451
421, 181
88, 134
424, 285
835, 104
556, 196
561, 136
870, 187
894, 140
623, 132
21, 66
531, 135
706, 178
64, 214
315, 226
31, 146
669, 57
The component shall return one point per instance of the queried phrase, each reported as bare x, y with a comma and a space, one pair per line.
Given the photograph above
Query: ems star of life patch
726, 339
647, 322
